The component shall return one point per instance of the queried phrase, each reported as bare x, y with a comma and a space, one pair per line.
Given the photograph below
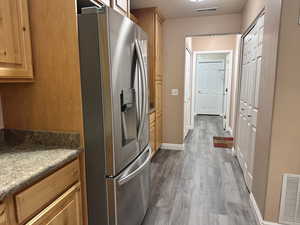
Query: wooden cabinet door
122, 6
15, 44
66, 210
9, 34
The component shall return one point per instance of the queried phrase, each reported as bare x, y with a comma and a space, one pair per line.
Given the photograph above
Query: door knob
249, 116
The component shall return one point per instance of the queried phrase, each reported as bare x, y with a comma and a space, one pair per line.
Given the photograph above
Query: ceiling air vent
290, 200
212, 9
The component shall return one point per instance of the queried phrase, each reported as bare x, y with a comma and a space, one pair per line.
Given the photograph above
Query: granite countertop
23, 164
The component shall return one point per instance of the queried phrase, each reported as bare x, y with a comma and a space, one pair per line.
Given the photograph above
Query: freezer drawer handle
126, 179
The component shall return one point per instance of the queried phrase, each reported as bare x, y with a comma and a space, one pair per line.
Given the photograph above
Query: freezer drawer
129, 193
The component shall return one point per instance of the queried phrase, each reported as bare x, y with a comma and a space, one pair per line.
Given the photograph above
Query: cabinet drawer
64, 210
33, 199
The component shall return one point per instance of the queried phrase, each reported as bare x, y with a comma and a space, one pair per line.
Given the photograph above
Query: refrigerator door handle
127, 178
145, 83
144, 86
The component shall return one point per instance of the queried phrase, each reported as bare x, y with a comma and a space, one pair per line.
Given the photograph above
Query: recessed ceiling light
197, 0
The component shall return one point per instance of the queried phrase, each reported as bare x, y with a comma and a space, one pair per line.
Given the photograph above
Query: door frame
191, 127
228, 81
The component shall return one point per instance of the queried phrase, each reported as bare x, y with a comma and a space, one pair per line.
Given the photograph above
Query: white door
249, 96
187, 93
210, 78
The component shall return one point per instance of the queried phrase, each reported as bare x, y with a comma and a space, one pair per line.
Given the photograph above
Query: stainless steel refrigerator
113, 58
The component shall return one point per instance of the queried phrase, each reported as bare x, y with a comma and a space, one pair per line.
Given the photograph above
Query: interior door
187, 93
249, 96
210, 78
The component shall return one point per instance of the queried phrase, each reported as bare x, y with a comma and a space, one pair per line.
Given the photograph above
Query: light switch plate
174, 92
299, 19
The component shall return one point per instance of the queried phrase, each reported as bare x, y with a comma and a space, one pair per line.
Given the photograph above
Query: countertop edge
40, 175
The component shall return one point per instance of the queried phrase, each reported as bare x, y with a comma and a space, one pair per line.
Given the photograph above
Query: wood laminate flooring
202, 185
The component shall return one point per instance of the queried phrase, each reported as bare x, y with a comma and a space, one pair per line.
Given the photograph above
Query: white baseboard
169, 146
257, 213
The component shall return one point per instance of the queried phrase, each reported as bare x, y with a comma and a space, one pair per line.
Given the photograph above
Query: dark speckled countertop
26, 157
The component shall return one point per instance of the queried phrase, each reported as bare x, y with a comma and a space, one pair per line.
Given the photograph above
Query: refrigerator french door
113, 58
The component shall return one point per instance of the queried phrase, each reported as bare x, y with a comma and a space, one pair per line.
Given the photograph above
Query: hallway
201, 186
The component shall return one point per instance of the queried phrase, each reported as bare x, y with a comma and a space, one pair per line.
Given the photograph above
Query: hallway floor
202, 185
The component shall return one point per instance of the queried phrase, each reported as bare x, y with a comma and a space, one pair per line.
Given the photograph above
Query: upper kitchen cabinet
151, 22
122, 6
15, 43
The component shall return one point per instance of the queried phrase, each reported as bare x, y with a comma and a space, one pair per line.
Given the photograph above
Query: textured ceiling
186, 8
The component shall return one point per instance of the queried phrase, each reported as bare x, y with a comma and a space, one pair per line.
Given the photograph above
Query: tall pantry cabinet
249, 98
151, 22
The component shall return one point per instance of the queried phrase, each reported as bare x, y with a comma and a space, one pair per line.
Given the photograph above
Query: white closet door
249, 99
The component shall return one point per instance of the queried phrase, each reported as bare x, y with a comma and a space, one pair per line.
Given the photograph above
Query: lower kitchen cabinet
66, 210
55, 200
